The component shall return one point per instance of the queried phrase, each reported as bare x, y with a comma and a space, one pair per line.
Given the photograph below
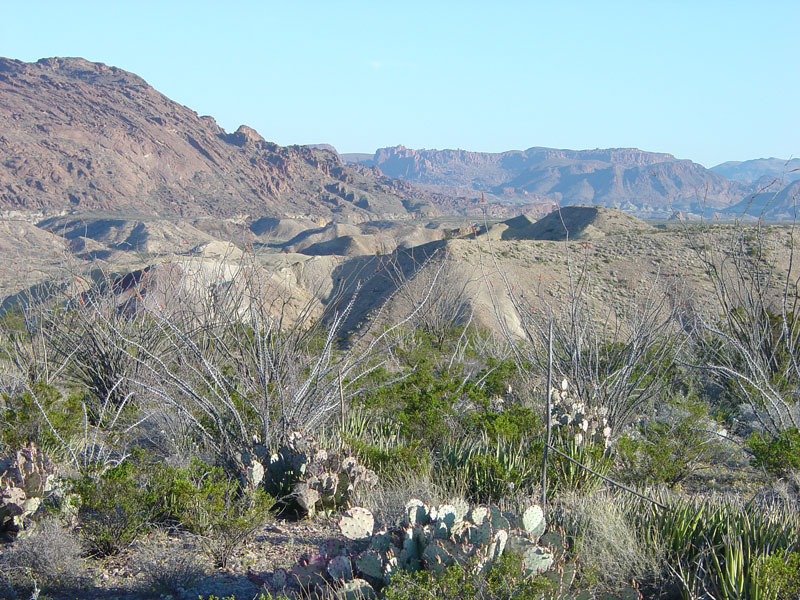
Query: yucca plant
717, 545
487, 468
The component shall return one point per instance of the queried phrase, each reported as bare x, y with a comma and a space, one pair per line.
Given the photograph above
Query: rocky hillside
644, 183
77, 135
761, 170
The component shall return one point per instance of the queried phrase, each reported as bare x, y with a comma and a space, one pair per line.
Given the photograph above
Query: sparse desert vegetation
469, 436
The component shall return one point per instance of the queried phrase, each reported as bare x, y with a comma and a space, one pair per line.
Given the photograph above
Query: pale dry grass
610, 550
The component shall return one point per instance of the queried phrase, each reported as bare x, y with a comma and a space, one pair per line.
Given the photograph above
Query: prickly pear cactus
431, 538
577, 420
314, 479
357, 524
25, 478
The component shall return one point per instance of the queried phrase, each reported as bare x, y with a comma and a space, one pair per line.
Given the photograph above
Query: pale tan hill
217, 250
281, 230
348, 245
327, 233
578, 223
157, 236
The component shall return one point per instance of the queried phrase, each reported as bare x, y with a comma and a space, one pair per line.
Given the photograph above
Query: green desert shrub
117, 506
670, 448
114, 508
41, 415
777, 455
224, 518
778, 575
503, 582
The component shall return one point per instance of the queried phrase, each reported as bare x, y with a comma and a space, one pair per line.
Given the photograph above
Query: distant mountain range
82, 136
644, 183
761, 170
78, 136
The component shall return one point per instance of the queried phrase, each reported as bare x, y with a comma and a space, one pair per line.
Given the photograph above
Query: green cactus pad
440, 530
357, 524
554, 541
446, 513
358, 589
340, 568
536, 560
380, 542
481, 535
498, 520
519, 544
436, 558
370, 564
417, 513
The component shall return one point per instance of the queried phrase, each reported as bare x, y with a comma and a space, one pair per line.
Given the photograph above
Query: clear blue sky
710, 81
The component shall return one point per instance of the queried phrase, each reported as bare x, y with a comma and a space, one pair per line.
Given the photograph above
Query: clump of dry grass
49, 559
387, 500
165, 569
610, 550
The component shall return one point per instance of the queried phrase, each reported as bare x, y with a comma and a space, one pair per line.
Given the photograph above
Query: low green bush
22, 421
221, 515
668, 450
503, 582
114, 508
777, 455
779, 576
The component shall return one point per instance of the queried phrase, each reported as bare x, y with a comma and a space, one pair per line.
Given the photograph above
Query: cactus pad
436, 558
357, 589
479, 514
357, 524
370, 564
340, 568
533, 521
417, 512
536, 560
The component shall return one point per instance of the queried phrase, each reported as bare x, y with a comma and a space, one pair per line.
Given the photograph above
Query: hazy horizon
710, 82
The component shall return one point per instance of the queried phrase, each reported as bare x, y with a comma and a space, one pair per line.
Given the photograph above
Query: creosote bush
671, 447
777, 455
